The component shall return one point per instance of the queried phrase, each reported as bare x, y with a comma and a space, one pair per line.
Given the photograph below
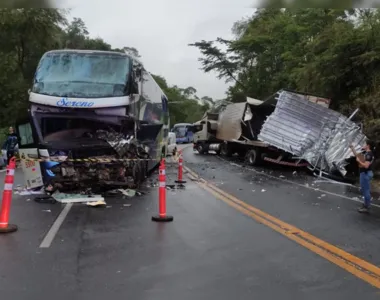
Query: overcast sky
161, 31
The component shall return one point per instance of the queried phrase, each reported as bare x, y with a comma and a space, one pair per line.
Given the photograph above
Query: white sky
161, 30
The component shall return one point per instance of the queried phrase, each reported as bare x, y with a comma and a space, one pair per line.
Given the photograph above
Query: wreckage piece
312, 132
125, 168
76, 198
124, 145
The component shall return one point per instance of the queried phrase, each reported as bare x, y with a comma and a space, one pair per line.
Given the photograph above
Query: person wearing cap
366, 174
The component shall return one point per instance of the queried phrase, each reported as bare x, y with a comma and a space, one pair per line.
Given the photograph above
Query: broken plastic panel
312, 132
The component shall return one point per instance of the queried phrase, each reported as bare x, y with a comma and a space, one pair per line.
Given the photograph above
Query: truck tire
201, 149
253, 157
225, 150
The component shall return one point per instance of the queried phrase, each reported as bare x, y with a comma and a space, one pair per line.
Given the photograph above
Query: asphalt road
214, 249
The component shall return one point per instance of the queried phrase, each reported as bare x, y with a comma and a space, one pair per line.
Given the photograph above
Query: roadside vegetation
329, 52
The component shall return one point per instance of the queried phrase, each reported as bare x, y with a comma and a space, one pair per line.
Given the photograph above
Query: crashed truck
95, 118
288, 128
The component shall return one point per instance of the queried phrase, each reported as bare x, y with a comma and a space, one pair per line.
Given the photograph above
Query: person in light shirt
365, 161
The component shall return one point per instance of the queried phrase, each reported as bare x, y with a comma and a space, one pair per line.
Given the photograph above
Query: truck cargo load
313, 132
288, 128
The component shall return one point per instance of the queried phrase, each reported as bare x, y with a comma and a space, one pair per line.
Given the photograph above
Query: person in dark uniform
365, 161
10, 144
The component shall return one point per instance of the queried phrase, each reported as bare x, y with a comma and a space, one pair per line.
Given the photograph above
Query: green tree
25, 34
328, 52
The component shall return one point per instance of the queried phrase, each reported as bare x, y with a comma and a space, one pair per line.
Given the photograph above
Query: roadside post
162, 216
6, 202
180, 180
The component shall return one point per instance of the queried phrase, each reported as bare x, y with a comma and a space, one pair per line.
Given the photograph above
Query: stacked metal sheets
311, 131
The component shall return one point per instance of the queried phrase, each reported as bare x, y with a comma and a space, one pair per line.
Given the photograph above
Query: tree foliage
184, 106
27, 33
328, 52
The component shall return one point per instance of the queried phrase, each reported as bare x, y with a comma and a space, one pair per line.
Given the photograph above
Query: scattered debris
295, 173
282, 176
97, 203
323, 195
128, 192
26, 192
45, 199
263, 190
47, 210
127, 205
75, 198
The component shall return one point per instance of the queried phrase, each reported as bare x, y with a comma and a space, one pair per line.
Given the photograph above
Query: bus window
25, 133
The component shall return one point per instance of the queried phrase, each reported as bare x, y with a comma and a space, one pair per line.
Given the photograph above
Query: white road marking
55, 227
298, 184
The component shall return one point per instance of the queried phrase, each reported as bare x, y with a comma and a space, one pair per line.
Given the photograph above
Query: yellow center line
353, 264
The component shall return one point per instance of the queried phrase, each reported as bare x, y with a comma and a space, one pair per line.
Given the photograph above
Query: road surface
237, 233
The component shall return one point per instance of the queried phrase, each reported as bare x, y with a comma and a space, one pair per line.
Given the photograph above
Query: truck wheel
253, 157
225, 150
200, 149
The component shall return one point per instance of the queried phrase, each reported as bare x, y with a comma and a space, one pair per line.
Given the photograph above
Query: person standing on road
10, 144
366, 174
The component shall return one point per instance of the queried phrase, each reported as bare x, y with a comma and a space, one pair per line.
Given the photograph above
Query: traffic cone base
162, 219
9, 229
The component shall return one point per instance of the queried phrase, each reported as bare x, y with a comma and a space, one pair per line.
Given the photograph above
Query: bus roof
87, 52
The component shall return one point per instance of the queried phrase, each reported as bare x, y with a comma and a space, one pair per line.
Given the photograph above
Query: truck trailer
95, 118
289, 128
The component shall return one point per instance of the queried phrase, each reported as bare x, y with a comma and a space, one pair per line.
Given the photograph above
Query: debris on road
45, 199
97, 203
76, 198
23, 191
128, 192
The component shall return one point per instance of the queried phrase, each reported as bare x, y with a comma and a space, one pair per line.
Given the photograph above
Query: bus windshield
180, 131
82, 75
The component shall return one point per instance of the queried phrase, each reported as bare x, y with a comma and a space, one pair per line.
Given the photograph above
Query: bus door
28, 148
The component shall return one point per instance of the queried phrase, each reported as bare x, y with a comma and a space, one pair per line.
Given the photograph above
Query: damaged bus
95, 118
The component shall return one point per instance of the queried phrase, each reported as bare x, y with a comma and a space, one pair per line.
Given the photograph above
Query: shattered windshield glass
82, 75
